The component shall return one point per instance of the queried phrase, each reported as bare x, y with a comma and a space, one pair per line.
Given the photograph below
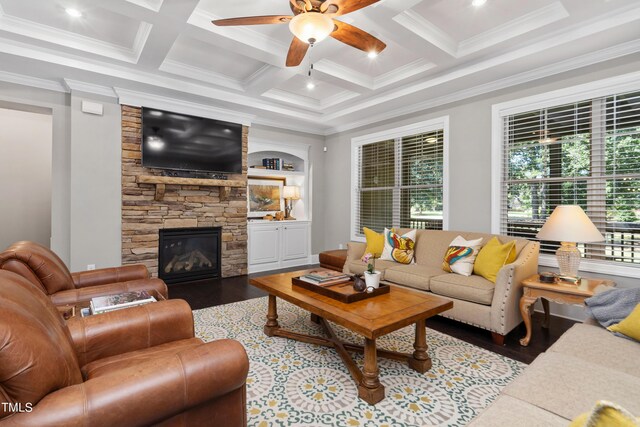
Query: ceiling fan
313, 22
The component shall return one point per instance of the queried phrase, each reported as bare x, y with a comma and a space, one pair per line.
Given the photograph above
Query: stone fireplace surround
182, 206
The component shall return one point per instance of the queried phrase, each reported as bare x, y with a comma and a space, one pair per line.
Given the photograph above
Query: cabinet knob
285, 228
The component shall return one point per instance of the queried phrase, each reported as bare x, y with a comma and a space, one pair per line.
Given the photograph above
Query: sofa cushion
414, 275
596, 345
473, 288
569, 386
507, 412
358, 267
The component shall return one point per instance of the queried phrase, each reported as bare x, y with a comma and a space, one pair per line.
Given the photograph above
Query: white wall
95, 184
25, 169
469, 158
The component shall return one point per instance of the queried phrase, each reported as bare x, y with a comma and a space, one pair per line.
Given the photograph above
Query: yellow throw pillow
629, 326
492, 257
375, 242
606, 414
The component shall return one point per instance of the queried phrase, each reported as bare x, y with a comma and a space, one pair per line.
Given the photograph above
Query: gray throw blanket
613, 306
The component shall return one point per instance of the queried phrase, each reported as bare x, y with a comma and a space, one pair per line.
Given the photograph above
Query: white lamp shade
569, 223
291, 192
311, 27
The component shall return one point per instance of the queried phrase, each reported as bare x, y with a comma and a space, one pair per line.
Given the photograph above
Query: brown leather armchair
132, 367
45, 269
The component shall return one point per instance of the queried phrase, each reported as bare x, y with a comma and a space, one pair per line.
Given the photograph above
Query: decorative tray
342, 292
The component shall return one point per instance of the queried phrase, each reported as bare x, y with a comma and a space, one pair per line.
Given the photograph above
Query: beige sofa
476, 301
585, 365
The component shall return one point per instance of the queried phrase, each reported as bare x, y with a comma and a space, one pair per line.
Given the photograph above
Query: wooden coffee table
370, 318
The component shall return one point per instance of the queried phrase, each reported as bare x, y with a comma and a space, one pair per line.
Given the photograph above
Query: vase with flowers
371, 275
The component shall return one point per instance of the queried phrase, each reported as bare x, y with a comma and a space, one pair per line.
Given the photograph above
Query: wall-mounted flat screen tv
182, 142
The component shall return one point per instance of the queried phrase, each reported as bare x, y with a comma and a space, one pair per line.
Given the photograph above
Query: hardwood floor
209, 293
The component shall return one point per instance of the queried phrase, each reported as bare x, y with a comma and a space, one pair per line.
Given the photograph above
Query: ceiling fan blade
297, 51
346, 6
253, 20
355, 37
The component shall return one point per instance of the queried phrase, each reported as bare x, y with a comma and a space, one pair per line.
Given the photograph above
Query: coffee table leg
420, 362
272, 317
370, 390
315, 318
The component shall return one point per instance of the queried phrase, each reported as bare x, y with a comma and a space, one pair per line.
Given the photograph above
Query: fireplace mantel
161, 181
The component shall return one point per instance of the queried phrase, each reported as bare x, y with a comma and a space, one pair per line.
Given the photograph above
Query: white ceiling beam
266, 78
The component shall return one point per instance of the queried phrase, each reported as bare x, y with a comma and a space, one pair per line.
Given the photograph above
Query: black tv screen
178, 141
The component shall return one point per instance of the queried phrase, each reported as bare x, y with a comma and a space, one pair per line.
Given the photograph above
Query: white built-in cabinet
281, 244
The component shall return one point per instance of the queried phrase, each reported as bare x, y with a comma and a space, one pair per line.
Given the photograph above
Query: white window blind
400, 182
585, 153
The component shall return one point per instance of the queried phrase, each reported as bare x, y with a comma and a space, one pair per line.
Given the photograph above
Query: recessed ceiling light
73, 12
373, 54
311, 85
478, 3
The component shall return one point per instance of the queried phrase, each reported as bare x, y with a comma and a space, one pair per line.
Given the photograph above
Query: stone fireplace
181, 206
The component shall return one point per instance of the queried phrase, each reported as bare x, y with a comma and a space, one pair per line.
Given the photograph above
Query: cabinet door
295, 241
264, 244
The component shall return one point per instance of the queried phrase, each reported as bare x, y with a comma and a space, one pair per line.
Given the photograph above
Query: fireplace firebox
187, 254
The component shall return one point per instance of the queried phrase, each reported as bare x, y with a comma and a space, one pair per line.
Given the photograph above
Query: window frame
440, 123
601, 88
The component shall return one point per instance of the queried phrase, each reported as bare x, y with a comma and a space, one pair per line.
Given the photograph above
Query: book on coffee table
325, 277
120, 301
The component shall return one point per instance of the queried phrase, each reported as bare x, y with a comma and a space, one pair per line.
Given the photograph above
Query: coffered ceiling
437, 51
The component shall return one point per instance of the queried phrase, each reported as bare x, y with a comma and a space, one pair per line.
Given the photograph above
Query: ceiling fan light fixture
478, 3
311, 27
372, 54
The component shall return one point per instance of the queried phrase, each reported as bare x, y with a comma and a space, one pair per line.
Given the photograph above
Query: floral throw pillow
461, 256
399, 248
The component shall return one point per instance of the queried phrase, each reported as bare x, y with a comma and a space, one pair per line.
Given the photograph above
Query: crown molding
522, 78
422, 27
516, 27
409, 70
72, 40
292, 98
141, 99
342, 72
197, 73
153, 5
552, 39
338, 98
44, 54
312, 129
202, 19
21, 79
78, 86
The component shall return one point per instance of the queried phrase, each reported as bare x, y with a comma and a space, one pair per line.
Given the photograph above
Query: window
398, 178
586, 152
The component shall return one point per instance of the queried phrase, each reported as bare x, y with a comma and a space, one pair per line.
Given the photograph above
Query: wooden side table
559, 292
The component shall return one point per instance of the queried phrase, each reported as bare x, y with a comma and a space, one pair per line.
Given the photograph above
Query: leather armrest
102, 276
121, 331
73, 296
145, 393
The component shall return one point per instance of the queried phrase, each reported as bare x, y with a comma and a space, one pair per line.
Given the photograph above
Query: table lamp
568, 224
290, 192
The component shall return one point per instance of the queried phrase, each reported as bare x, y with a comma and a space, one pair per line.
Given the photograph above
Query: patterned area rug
296, 384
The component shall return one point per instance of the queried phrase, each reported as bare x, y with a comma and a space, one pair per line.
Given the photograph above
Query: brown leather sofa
132, 367
45, 269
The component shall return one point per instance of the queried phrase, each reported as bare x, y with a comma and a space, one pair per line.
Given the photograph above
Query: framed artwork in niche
264, 197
